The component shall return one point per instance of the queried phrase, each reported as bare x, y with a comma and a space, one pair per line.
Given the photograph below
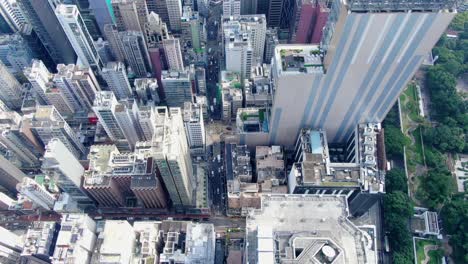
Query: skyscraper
61, 165
244, 42
117, 119
10, 89
368, 59
174, 12
173, 54
130, 14
10, 175
135, 52
78, 84
177, 88
194, 128
171, 154
231, 8
72, 23
13, 14
47, 123
17, 137
116, 77
41, 17
15, 52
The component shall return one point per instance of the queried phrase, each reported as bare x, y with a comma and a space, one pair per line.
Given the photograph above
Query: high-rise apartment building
12, 14
231, 8
36, 193
78, 84
18, 138
146, 118
10, 89
48, 123
147, 90
171, 153
158, 7
244, 42
135, 52
194, 128
61, 165
252, 25
41, 16
177, 87
130, 14
173, 54
10, 175
46, 91
72, 23
112, 35
174, 13
15, 52
117, 119
116, 77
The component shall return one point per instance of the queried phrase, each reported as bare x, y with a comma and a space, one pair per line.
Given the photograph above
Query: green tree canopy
395, 180
394, 141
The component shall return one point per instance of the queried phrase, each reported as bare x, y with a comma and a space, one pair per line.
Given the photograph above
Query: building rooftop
118, 242
39, 239
250, 120
298, 59
394, 6
315, 167
285, 231
76, 239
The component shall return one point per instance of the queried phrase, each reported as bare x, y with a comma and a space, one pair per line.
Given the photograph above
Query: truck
211, 108
219, 158
214, 101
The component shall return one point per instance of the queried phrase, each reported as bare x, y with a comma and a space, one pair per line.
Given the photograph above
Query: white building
13, 14
231, 7
76, 239
250, 28
239, 53
36, 193
10, 89
173, 54
146, 118
177, 87
72, 23
316, 228
10, 247
47, 123
194, 128
147, 90
60, 164
135, 52
38, 242
18, 138
39, 77
116, 119
172, 156
78, 84
115, 76
118, 242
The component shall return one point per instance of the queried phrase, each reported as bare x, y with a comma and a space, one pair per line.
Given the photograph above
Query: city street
213, 47
217, 178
